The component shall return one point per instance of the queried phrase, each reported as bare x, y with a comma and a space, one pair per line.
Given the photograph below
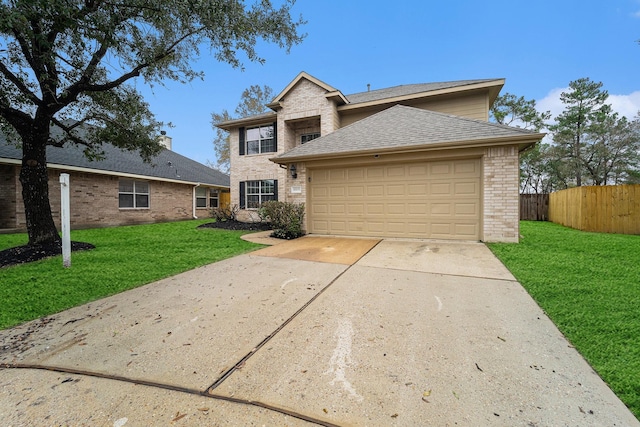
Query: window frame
201, 198
312, 135
214, 194
248, 190
260, 145
136, 194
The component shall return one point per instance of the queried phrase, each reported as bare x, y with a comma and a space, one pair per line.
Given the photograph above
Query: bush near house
226, 213
286, 218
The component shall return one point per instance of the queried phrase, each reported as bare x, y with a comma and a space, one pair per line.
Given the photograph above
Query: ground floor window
133, 194
201, 197
214, 198
254, 193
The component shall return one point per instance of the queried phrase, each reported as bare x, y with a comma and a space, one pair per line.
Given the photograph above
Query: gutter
523, 140
193, 200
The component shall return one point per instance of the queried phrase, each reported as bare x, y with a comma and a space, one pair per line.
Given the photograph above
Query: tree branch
20, 85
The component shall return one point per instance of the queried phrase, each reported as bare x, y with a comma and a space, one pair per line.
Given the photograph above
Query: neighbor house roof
166, 166
402, 128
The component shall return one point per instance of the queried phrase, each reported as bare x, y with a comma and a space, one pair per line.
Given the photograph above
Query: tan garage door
436, 200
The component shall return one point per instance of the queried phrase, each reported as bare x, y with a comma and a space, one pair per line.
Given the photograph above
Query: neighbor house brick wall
94, 201
501, 194
8, 195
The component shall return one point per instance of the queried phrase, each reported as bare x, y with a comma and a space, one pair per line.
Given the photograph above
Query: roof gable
407, 128
331, 92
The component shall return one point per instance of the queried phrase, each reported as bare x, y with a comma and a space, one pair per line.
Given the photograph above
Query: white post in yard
65, 219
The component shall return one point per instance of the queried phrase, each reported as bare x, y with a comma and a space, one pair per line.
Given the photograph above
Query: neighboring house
417, 161
121, 189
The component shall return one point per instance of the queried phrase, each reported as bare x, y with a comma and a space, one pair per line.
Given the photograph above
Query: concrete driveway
310, 332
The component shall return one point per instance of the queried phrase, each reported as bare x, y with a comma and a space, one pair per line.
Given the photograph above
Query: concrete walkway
410, 333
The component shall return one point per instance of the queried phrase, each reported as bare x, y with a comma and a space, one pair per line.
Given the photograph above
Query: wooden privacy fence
534, 207
603, 209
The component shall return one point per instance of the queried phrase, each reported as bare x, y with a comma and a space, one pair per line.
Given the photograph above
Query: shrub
286, 218
227, 213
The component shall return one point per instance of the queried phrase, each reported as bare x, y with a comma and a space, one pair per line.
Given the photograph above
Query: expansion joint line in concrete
171, 388
242, 361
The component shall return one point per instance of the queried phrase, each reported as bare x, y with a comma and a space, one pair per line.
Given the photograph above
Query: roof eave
231, 124
523, 142
494, 87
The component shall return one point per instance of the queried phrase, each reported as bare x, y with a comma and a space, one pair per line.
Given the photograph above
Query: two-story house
416, 161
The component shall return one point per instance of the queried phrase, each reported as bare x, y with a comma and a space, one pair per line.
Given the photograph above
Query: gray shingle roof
166, 165
403, 127
403, 90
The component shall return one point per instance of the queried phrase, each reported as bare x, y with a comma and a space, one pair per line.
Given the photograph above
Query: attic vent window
309, 137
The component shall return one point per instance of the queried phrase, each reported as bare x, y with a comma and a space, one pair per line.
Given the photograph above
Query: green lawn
589, 285
124, 258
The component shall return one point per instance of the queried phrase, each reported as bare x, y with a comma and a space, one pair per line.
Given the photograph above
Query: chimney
368, 87
165, 140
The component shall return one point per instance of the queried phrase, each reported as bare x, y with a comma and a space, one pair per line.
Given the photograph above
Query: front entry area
428, 200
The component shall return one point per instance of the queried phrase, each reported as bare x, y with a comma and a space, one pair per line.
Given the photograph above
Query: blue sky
538, 47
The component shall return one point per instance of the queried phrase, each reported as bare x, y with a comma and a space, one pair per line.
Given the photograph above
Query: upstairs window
258, 139
214, 198
309, 137
133, 194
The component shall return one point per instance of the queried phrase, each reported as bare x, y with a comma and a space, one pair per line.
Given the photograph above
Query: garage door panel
440, 209
421, 200
417, 208
465, 188
440, 188
356, 190
375, 190
396, 190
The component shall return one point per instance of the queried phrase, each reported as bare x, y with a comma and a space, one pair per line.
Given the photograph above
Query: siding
474, 106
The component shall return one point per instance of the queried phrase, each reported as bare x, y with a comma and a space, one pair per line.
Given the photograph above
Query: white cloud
625, 105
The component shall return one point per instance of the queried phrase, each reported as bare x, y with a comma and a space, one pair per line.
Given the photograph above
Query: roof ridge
425, 83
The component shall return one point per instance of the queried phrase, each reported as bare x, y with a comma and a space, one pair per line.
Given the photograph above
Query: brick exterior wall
501, 194
305, 110
8, 195
94, 201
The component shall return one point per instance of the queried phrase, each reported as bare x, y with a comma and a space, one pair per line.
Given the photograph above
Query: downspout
193, 200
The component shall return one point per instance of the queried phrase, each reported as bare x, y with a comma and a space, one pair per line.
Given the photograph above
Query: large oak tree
68, 65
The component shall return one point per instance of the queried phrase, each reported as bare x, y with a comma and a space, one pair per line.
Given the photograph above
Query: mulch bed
27, 253
237, 225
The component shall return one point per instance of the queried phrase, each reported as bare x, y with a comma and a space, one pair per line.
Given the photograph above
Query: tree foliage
253, 101
589, 143
69, 64
597, 146
511, 110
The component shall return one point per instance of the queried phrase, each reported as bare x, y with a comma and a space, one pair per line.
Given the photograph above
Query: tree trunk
35, 189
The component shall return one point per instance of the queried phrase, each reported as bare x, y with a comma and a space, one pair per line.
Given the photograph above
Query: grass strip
124, 258
589, 285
